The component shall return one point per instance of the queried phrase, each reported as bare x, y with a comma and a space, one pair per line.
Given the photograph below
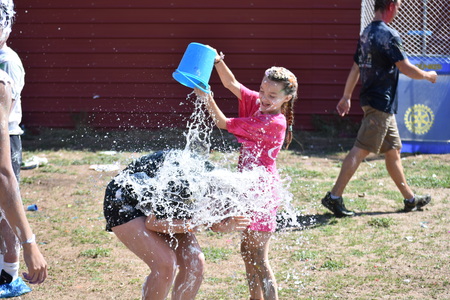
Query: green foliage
82, 235
381, 222
333, 265
51, 169
304, 255
31, 179
357, 253
377, 253
96, 159
216, 254
427, 173
298, 171
81, 193
429, 181
96, 252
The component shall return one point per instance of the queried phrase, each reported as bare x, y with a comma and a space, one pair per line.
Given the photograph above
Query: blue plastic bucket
196, 67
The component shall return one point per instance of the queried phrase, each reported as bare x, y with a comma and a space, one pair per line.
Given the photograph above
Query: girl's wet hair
290, 87
6, 17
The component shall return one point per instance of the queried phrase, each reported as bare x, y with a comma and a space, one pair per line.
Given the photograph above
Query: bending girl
163, 240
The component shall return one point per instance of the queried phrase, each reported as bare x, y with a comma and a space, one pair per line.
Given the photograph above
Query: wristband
31, 240
222, 57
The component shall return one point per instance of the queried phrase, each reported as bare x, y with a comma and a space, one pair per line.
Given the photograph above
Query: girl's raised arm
226, 76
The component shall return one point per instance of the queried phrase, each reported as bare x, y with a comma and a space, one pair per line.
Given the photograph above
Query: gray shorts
378, 132
16, 154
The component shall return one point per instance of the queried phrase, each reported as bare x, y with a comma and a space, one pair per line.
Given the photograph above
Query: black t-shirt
176, 199
379, 48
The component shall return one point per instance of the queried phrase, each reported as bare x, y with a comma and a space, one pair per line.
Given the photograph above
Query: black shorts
119, 207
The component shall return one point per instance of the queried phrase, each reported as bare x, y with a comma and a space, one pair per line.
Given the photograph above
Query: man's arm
414, 72
343, 106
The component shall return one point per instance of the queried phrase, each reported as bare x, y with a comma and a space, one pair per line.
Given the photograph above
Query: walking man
378, 59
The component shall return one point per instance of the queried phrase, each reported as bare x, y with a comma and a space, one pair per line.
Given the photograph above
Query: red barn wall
109, 64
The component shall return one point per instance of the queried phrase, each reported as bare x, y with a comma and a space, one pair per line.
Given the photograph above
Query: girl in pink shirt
261, 130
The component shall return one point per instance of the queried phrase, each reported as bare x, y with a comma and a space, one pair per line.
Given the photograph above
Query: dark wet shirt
148, 164
176, 201
379, 48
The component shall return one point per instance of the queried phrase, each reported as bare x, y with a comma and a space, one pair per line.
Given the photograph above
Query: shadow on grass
380, 213
303, 222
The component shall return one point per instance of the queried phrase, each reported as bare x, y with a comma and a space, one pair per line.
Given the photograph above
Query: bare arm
217, 115
167, 225
182, 226
343, 106
237, 223
10, 200
414, 72
227, 77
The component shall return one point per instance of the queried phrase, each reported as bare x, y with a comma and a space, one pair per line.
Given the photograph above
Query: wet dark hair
283, 75
382, 5
6, 17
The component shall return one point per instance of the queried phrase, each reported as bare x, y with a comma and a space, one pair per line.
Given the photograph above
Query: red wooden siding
110, 63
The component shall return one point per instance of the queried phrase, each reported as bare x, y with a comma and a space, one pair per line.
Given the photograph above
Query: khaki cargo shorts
378, 132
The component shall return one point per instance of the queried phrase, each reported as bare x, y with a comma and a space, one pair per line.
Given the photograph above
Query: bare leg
395, 170
254, 251
191, 263
349, 167
154, 249
9, 244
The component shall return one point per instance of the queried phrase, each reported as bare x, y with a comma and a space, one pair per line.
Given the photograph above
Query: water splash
188, 186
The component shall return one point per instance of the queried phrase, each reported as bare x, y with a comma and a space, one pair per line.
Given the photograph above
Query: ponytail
289, 114
289, 80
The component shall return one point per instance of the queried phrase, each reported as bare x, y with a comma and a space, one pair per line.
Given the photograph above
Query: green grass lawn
381, 253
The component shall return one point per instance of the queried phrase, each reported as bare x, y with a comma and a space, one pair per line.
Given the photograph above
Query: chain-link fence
422, 24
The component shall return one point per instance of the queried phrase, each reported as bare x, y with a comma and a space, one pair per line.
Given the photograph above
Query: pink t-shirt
261, 137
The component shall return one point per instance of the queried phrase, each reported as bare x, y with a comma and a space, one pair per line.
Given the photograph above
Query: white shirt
12, 65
